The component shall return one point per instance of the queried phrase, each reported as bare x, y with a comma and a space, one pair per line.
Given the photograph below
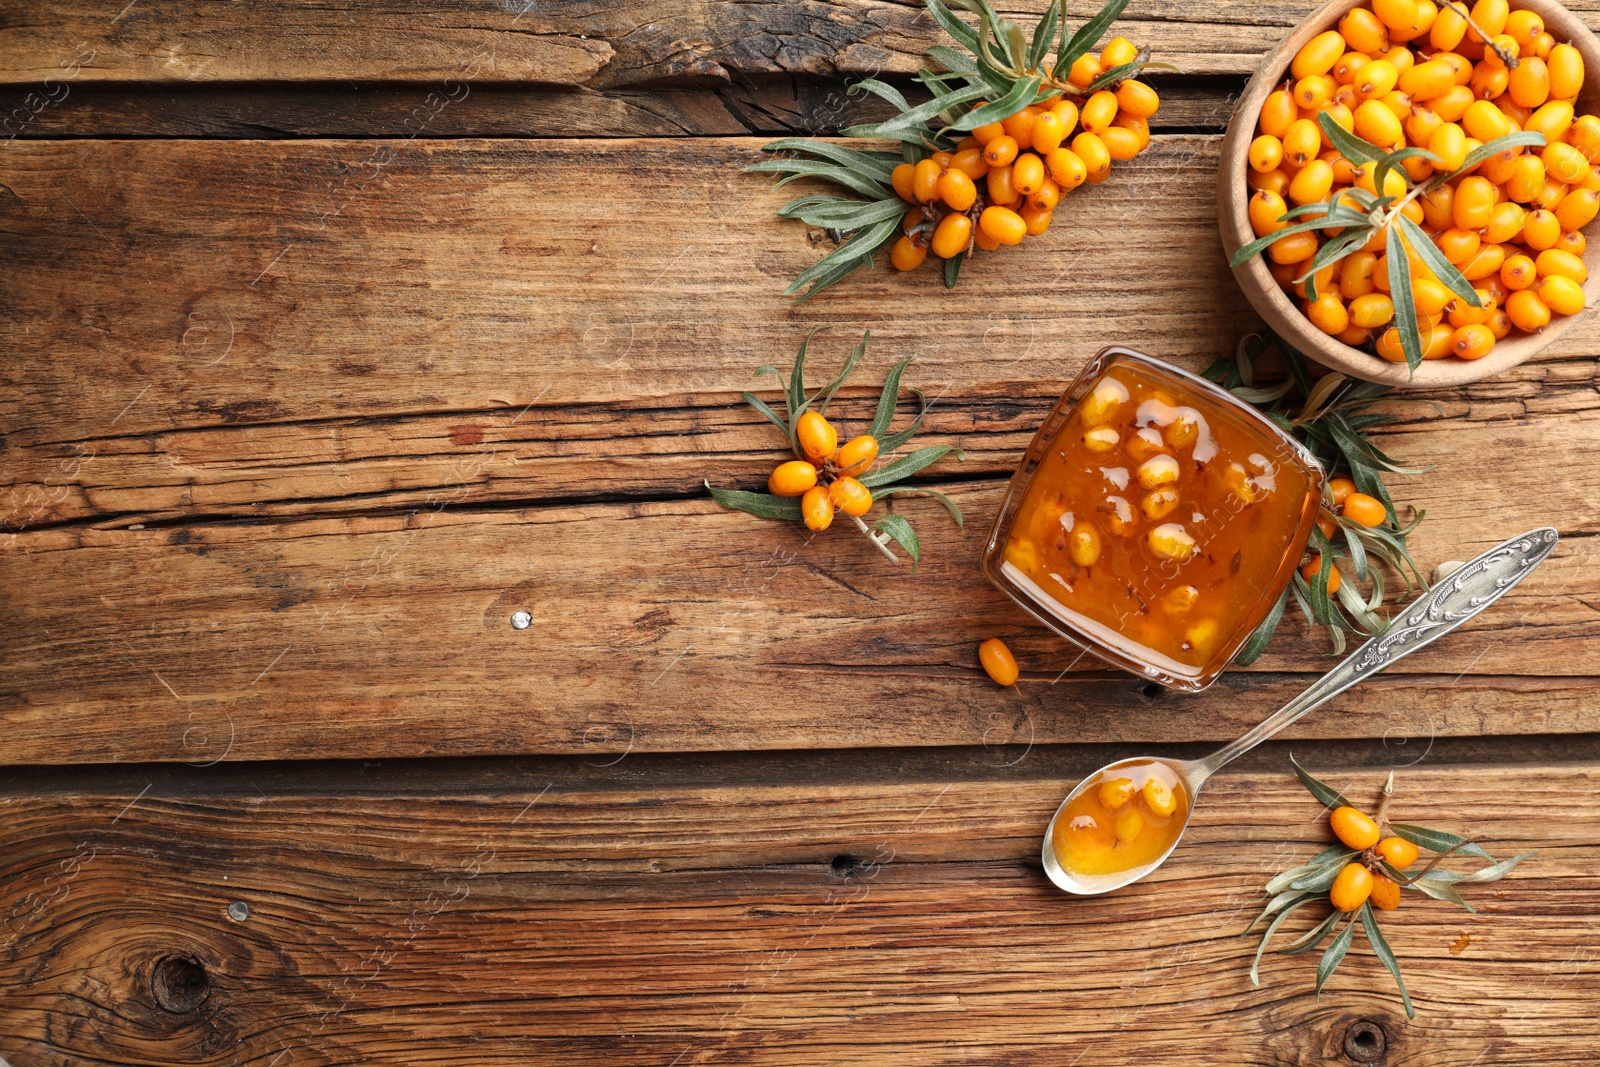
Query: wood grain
846, 922
567, 43
660, 626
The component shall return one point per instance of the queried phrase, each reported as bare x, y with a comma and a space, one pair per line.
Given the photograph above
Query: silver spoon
1458, 597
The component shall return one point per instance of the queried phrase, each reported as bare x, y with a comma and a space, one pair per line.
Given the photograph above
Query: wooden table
336, 334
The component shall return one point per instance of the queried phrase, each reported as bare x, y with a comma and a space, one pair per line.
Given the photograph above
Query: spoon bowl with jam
1125, 819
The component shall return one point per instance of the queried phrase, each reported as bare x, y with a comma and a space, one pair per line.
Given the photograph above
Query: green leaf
906, 466
1335, 954
899, 530
911, 490
761, 505
772, 416
1331, 252
1122, 72
836, 213
1392, 161
964, 34
1321, 879
796, 397
848, 257
1020, 96
1438, 840
1326, 795
888, 399
1262, 242
874, 166
914, 123
1476, 157
1493, 873
952, 269
1282, 881
1272, 928
1263, 636
1405, 305
883, 90
900, 437
856, 353
1088, 36
1381, 949
1349, 145
1312, 937
1442, 890
951, 60
816, 168
1442, 268
1041, 36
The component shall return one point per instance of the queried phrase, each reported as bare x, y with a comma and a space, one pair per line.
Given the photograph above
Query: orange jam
1126, 817
1159, 522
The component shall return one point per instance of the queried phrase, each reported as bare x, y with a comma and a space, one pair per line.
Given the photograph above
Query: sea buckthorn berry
988, 131
1573, 241
1310, 571
1066, 112
957, 190
1363, 31
912, 219
1067, 168
1328, 314
1577, 209
1104, 438
1553, 120
1551, 194
969, 161
1561, 295
1000, 151
1564, 163
1378, 124
1158, 797
1458, 245
1159, 503
1449, 143
1266, 212
1462, 313
1144, 443
1529, 84
1474, 202
1171, 541
1553, 261
902, 180
1137, 99
1452, 103
1312, 184
1399, 852
1277, 112
1355, 276
1540, 230
1371, 310
1500, 324
1129, 825
857, 454
1566, 72
1425, 81
1276, 181
1355, 828
1584, 135
1367, 510
1351, 887
1314, 93
1341, 488
1083, 544
1003, 224
1398, 54
998, 182
1301, 142
1047, 133
1140, 128
1429, 296
1421, 123
1505, 222
1036, 219
1084, 71
1181, 600
850, 496
1438, 204
1491, 15
1117, 52
816, 507
792, 478
1096, 158
1103, 402
1448, 28
1027, 173
1483, 264
1318, 55
1471, 342
953, 235
1527, 179
1293, 248
1395, 14
943, 159
817, 436
1376, 79
1489, 83
1527, 312
1116, 792
1323, 280
1502, 43
1019, 126
1499, 167
1326, 525
925, 180
1098, 111
1524, 27
998, 661
1344, 71
1389, 347
1048, 195
1385, 893
907, 254
1121, 143
1157, 471
1486, 122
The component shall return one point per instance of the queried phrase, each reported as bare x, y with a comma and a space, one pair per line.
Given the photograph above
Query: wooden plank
564, 43
662, 626
759, 104
853, 921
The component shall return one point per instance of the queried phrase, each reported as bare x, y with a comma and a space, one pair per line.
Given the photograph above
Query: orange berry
816, 507
902, 180
1385, 893
907, 254
1035, 218
1027, 173
1367, 510
953, 235
969, 161
1351, 888
1327, 313
925, 180
1003, 224
1117, 52
1121, 143
1471, 342
1278, 112
1355, 828
817, 436
1566, 71
1540, 230
1066, 168
1398, 851
1553, 261
1001, 191
957, 190
850, 496
1048, 132
1561, 295
792, 478
1000, 151
998, 661
1527, 312
1310, 571
1019, 126
1098, 111
1137, 99
857, 454
1096, 157
1341, 488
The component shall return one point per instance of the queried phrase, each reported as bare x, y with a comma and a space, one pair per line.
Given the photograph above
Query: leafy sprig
1363, 212
886, 478
999, 70
1310, 882
1333, 418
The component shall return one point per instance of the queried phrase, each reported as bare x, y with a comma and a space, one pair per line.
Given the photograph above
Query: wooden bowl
1282, 314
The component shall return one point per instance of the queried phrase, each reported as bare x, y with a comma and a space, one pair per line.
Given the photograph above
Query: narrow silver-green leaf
1041, 36
867, 163
951, 60
899, 528
1263, 636
1326, 795
899, 437
856, 354
888, 399
772, 416
1349, 145
1442, 268
1381, 949
1438, 840
1121, 73
912, 490
1088, 36
1020, 96
952, 269
1392, 161
1405, 306
1478, 156
761, 505
1335, 954
795, 169
906, 466
1272, 928
964, 34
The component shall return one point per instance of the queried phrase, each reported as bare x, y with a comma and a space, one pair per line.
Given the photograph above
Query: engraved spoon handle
1457, 598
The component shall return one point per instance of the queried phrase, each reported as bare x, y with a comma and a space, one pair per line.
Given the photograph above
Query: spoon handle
1457, 598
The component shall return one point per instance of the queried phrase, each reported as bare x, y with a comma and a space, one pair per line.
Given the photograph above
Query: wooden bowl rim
1282, 314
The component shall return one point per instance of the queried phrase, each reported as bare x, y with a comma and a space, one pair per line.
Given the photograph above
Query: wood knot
1365, 1041
179, 984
